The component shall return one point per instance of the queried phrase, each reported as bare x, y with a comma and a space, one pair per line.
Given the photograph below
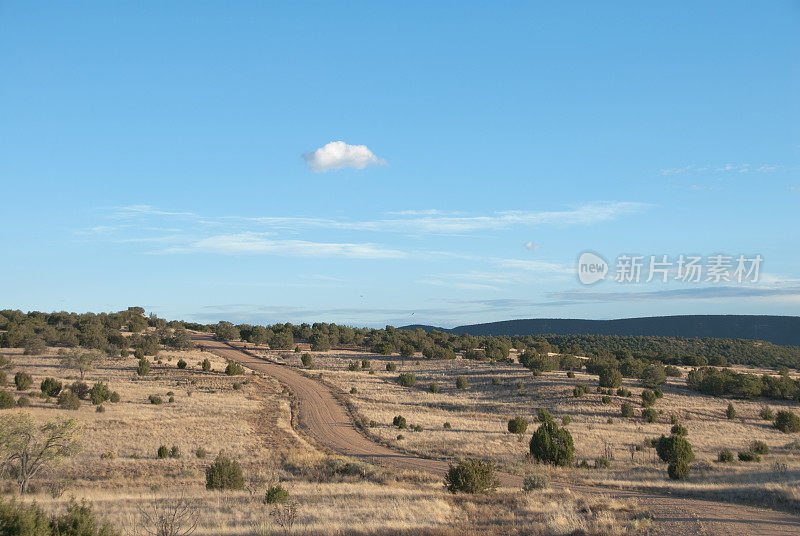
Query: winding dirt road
323, 418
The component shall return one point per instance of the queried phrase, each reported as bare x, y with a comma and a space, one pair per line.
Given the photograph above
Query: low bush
400, 422
391, 367
353, 391
471, 476
623, 392
68, 400
224, 473
143, 369
234, 369
677, 429
80, 388
565, 420
206, 365
407, 379
276, 495
6, 400
23, 402
535, 481
200, 453
114, 397
155, 400
648, 398
447, 426
766, 413
551, 444
672, 371
174, 452
353, 366
730, 413
163, 452
461, 382
748, 457
610, 377
759, 447
365, 364
725, 456
434, 388
626, 409
787, 422
570, 374
99, 393
181, 364
51, 386
307, 360
518, 425
606, 400
23, 381
649, 415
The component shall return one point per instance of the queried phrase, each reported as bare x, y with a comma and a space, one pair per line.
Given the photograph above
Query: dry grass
479, 414
118, 471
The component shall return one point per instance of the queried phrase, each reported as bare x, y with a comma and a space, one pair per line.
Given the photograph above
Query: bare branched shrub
168, 517
285, 515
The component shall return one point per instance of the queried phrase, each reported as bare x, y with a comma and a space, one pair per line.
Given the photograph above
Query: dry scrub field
249, 418
496, 392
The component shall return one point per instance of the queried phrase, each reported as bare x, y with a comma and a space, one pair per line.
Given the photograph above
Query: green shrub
206, 365
759, 447
677, 429
365, 364
570, 374
80, 388
766, 413
80, 520
447, 425
471, 476
672, 371
648, 398
678, 469
6, 400
3, 379
181, 364
725, 456
518, 425
68, 400
730, 413
353, 391
144, 366
138, 353
434, 388
659, 393
174, 452
602, 463
565, 420
748, 457
353, 366
399, 421
461, 382
224, 473
114, 397
234, 369
276, 495
535, 481
649, 415
99, 393
18, 518
626, 409
200, 453
416, 427
307, 360
578, 392
51, 386
653, 376
606, 400
787, 422
407, 379
100, 409
23, 402
22, 380
391, 367
155, 400
610, 377
551, 444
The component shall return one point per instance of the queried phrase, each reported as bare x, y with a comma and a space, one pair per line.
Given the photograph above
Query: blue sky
176, 156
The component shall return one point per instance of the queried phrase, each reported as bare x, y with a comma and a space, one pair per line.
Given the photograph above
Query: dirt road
328, 422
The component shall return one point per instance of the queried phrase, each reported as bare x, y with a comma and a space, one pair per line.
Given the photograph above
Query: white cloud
249, 243
338, 155
531, 246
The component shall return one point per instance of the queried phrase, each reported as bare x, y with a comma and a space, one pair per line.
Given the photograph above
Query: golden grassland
249, 418
496, 392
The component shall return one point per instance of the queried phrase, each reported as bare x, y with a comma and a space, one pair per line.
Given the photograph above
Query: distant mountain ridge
783, 330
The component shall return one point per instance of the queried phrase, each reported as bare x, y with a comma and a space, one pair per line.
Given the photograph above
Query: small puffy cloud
531, 246
338, 155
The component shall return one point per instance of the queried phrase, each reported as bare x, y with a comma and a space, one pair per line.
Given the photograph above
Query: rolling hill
784, 330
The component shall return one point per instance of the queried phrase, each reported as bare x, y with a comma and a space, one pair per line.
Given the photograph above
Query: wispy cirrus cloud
249, 243
340, 155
